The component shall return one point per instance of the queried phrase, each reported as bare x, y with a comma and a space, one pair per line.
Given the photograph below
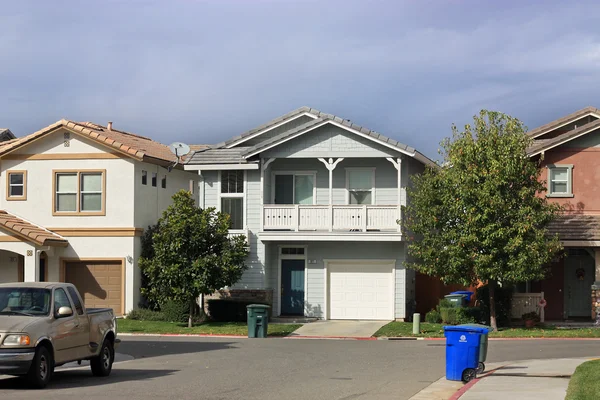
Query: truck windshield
24, 301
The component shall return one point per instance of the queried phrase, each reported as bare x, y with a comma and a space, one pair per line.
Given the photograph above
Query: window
144, 177
79, 192
294, 188
16, 183
560, 181
76, 300
292, 250
60, 300
232, 197
192, 184
163, 182
360, 183
154, 178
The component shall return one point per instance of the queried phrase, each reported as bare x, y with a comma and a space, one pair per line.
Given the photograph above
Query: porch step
292, 320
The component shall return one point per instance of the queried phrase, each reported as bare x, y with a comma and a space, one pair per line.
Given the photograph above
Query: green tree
482, 216
191, 254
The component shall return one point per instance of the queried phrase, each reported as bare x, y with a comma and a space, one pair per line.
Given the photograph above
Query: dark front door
292, 287
579, 278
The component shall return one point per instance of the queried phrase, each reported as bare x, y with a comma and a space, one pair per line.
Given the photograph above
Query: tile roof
208, 156
563, 121
543, 144
576, 227
136, 146
29, 231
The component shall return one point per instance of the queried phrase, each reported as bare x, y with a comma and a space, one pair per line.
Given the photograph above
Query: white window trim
294, 173
569, 168
372, 169
243, 196
281, 257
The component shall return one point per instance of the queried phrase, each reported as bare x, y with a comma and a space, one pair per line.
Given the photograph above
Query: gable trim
546, 131
256, 134
561, 142
328, 121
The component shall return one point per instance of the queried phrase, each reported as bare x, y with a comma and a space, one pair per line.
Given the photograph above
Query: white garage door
361, 290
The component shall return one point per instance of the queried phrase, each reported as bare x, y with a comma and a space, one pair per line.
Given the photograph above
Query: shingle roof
543, 144
29, 231
563, 121
576, 227
235, 155
133, 145
320, 118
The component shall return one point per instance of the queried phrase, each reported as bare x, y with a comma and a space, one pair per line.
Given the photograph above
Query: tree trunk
191, 314
492, 289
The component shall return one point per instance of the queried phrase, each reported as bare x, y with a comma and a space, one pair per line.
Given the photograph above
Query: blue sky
203, 71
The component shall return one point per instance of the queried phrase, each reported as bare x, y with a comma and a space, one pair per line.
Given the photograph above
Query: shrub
175, 311
448, 315
466, 315
433, 317
143, 314
533, 316
503, 304
223, 310
445, 303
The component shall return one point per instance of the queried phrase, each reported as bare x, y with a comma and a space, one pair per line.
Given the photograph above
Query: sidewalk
523, 380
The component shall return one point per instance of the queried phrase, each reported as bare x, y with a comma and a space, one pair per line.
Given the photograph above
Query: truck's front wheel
102, 364
41, 368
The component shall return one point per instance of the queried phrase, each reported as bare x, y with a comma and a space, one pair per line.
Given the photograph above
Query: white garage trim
329, 263
281, 257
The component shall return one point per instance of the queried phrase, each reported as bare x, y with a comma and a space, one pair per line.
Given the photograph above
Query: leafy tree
191, 254
482, 216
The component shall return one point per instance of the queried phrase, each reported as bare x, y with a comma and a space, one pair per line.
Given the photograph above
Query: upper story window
154, 178
232, 197
16, 185
360, 183
163, 182
560, 181
294, 188
144, 177
79, 193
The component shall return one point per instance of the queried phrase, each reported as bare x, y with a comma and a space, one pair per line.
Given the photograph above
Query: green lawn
213, 328
585, 382
404, 329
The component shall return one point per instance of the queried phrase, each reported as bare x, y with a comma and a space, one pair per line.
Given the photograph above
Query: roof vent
109, 125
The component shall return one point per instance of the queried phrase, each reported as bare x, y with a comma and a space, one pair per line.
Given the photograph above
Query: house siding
329, 141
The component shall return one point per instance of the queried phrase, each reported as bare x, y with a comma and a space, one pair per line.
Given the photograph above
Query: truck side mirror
64, 312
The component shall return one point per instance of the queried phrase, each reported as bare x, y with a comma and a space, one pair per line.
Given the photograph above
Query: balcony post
364, 221
398, 165
264, 164
297, 217
330, 165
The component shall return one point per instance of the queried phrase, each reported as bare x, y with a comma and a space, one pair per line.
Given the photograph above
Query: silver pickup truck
44, 325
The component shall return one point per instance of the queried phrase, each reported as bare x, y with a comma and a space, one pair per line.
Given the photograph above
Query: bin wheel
468, 375
480, 368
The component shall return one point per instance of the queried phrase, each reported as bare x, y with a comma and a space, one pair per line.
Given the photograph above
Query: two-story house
74, 200
319, 199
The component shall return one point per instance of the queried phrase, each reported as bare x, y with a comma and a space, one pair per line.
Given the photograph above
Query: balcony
331, 218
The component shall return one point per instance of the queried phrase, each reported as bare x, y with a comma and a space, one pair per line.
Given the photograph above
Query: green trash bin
483, 345
457, 300
258, 320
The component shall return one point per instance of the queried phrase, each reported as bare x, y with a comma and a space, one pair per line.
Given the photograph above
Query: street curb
332, 337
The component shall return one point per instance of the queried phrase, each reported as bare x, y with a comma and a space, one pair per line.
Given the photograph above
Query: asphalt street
211, 368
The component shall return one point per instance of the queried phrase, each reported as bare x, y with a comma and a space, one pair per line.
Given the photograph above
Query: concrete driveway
340, 328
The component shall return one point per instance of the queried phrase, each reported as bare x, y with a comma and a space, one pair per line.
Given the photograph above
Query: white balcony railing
331, 217
523, 303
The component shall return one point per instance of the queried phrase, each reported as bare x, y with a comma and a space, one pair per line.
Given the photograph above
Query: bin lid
452, 295
463, 328
489, 328
462, 292
259, 306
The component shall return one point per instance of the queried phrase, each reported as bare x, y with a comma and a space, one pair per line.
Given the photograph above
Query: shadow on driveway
160, 346
83, 378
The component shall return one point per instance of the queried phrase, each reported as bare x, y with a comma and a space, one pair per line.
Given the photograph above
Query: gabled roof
6, 134
568, 119
319, 119
132, 145
30, 231
235, 155
541, 145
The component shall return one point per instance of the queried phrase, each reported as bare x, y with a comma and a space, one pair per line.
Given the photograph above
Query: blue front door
292, 287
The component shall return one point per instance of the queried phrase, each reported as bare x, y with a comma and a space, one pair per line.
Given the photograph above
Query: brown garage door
100, 283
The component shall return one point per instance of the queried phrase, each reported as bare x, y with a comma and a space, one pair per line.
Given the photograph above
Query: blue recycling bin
463, 344
467, 294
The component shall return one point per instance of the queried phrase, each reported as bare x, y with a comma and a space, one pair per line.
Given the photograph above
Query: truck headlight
17, 340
